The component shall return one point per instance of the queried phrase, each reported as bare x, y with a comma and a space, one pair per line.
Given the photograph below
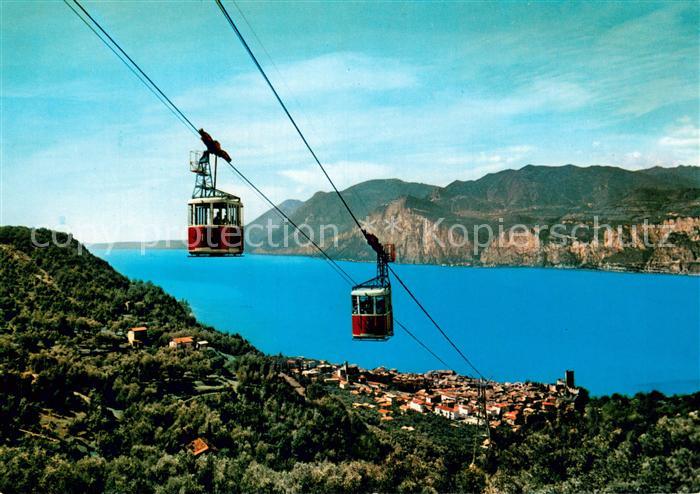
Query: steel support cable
291, 222
185, 121
421, 343
140, 74
127, 65
308, 122
347, 207
425, 311
155, 86
284, 107
344, 274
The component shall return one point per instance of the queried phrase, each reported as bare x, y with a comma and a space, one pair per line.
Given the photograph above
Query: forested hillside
81, 410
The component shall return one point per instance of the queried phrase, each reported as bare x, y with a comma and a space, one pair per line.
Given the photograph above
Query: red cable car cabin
215, 217
372, 318
215, 226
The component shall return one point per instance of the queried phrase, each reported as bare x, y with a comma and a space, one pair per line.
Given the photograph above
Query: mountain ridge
451, 224
532, 196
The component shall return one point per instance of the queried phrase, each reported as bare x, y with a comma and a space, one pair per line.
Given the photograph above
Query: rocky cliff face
596, 218
418, 239
671, 247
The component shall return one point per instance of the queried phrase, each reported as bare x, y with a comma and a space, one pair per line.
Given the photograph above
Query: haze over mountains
431, 224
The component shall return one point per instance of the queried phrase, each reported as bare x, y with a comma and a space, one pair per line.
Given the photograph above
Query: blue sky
422, 91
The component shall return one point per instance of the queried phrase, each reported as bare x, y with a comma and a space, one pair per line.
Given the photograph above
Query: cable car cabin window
380, 305
233, 214
200, 215
221, 214
355, 304
366, 305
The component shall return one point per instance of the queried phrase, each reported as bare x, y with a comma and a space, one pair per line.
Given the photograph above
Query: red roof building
446, 411
185, 341
417, 405
198, 446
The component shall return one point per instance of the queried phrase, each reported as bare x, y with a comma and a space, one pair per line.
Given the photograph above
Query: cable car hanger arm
213, 146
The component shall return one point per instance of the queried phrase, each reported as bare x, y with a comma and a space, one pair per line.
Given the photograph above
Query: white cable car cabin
215, 226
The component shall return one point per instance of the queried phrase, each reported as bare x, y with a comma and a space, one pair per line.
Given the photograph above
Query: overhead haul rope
339, 269
408, 290
135, 65
167, 102
127, 65
284, 107
337, 191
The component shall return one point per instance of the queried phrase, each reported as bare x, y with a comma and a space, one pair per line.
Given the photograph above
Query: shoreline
430, 373
403, 369
608, 269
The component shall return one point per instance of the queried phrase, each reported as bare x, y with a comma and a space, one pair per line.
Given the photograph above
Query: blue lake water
621, 333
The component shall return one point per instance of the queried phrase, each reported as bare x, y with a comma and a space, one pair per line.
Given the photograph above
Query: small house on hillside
182, 342
137, 336
417, 405
512, 417
464, 409
446, 411
198, 446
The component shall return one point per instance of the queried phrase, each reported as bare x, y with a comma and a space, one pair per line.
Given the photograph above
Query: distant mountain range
430, 224
554, 211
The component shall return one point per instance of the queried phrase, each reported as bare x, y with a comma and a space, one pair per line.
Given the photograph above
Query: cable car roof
370, 291
215, 199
